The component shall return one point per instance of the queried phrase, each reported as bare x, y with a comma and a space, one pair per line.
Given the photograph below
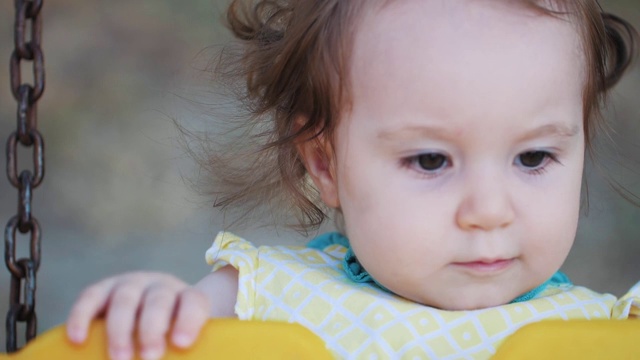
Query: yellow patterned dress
361, 321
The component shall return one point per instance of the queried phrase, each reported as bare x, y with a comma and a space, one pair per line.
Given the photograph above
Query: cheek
553, 219
390, 222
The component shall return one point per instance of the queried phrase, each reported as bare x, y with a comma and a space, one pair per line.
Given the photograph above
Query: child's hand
150, 303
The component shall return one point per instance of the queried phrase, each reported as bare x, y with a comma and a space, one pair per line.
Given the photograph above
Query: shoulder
228, 242
230, 249
262, 273
628, 306
579, 302
634, 292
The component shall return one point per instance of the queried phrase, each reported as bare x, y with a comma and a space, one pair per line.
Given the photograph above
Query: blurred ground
114, 199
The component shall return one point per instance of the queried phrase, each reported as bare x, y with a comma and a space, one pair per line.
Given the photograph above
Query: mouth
488, 267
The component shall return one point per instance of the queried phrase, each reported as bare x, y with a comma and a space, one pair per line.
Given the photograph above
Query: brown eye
532, 159
431, 162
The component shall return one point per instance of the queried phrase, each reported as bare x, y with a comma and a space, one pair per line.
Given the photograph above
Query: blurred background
116, 197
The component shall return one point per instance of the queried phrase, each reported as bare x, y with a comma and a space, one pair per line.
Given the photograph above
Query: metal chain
22, 301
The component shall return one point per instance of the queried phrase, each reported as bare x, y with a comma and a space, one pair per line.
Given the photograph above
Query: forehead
488, 56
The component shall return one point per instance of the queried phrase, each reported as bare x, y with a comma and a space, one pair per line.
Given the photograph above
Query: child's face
458, 169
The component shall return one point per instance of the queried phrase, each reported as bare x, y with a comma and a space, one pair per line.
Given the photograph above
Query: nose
486, 204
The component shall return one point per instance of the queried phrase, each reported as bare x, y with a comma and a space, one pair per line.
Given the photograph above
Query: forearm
221, 287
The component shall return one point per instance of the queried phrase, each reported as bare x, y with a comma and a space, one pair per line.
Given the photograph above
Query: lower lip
486, 267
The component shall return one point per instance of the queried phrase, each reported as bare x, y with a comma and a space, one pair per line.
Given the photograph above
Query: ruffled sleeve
229, 249
628, 306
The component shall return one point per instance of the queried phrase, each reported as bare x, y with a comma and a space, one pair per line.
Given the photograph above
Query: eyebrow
553, 129
429, 131
415, 131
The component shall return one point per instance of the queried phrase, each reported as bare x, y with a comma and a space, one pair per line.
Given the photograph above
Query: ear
318, 158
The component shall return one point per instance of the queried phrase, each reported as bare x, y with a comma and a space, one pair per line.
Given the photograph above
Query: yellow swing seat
219, 339
237, 340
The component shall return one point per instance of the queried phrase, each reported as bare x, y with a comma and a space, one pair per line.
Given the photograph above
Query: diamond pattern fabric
361, 321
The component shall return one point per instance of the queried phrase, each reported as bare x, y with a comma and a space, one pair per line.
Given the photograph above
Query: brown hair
293, 59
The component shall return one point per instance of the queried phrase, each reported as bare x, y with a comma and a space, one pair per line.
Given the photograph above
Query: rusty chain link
27, 36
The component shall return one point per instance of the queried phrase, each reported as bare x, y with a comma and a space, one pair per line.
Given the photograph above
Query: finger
121, 317
155, 318
191, 313
88, 306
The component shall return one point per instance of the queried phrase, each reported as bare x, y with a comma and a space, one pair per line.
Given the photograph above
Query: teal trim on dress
357, 273
559, 278
323, 241
350, 264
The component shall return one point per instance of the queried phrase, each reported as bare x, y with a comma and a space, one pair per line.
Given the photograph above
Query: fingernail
181, 340
120, 354
151, 353
76, 335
